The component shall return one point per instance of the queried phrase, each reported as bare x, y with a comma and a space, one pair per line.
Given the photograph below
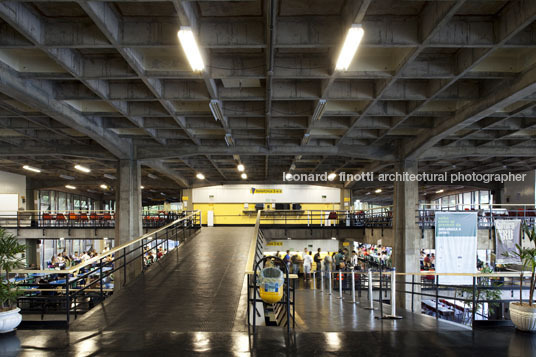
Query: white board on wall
9, 204
277, 194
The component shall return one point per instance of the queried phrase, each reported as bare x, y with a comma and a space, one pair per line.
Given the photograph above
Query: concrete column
128, 222
187, 203
406, 250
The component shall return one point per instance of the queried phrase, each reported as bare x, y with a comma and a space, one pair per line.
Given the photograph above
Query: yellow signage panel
279, 244
345, 244
265, 190
185, 198
346, 199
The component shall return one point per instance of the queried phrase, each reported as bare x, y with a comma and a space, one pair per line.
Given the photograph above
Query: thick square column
406, 248
128, 222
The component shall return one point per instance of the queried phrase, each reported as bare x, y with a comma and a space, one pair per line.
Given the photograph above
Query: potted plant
523, 315
10, 248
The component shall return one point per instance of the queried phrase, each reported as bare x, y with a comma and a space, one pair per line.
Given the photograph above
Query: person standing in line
307, 264
327, 264
318, 261
295, 264
286, 260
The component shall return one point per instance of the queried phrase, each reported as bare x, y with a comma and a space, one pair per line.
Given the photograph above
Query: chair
74, 218
60, 219
84, 218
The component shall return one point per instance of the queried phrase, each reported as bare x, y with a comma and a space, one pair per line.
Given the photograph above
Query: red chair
83, 218
60, 219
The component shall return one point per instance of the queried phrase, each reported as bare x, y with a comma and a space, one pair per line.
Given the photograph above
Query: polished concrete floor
194, 305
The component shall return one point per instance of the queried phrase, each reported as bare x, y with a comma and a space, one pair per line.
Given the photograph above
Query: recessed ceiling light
104, 187
191, 50
334, 238
200, 176
108, 176
29, 168
349, 48
82, 168
240, 167
244, 176
378, 190
142, 187
440, 191
70, 187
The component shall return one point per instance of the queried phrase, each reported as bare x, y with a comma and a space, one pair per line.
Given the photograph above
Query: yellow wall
232, 213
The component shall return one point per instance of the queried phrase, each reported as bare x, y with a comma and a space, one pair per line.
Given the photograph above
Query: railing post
393, 292
437, 296
322, 279
125, 265
371, 298
67, 298
340, 284
412, 292
101, 282
474, 302
329, 282
314, 280
353, 285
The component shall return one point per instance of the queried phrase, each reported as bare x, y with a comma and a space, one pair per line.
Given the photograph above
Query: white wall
289, 194
520, 192
14, 184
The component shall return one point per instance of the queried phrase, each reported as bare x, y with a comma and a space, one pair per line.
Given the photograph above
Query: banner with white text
456, 244
507, 235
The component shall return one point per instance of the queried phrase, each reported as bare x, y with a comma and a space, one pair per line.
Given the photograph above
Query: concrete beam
159, 166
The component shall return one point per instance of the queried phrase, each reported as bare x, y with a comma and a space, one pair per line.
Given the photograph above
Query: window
44, 201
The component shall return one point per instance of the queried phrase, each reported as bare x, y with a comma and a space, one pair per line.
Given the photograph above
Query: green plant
9, 249
490, 292
528, 260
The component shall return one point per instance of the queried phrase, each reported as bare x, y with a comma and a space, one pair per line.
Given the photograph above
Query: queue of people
64, 260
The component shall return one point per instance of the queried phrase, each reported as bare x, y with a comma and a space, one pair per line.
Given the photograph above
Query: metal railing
79, 219
469, 304
252, 269
75, 290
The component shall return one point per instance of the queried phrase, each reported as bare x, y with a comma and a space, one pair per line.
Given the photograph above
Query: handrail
97, 258
253, 245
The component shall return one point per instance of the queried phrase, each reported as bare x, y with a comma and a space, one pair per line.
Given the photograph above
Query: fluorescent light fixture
62, 238
200, 176
151, 176
378, 190
332, 176
289, 238
244, 176
104, 187
162, 193
334, 238
216, 109
229, 140
105, 238
82, 168
191, 50
108, 176
349, 48
70, 187
142, 187
240, 167
29, 168
67, 177
320, 109
440, 191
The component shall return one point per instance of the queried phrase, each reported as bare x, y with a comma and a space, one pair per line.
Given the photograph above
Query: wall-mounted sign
346, 244
265, 190
346, 199
185, 198
279, 244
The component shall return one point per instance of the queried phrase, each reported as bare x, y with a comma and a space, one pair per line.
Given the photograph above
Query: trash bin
271, 281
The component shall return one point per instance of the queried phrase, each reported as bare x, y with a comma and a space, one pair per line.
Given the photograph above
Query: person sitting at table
84, 256
427, 262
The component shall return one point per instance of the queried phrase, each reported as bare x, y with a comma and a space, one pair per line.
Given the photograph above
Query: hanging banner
507, 235
455, 245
